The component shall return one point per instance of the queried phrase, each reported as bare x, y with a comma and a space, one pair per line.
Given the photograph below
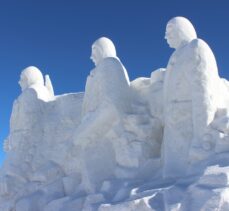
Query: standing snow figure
25, 124
190, 97
105, 101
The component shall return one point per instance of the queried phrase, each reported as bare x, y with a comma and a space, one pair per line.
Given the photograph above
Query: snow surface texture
158, 143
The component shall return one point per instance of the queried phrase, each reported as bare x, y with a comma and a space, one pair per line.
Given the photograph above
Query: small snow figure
190, 96
25, 123
26, 108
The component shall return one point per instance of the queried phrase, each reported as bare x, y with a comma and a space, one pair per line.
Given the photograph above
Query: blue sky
56, 36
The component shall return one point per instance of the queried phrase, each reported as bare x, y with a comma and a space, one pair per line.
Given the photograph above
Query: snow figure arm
48, 85
204, 82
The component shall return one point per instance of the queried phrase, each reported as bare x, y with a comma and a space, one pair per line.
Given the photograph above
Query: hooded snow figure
25, 123
27, 105
108, 82
190, 98
105, 100
33, 90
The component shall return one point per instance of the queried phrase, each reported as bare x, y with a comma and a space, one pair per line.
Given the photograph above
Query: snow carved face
96, 55
101, 49
179, 32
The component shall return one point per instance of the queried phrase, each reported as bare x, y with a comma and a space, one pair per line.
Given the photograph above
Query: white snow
157, 143
190, 97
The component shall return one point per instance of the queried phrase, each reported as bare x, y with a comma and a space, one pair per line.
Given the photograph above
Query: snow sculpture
32, 86
190, 97
25, 122
113, 161
109, 75
105, 100
121, 132
40, 126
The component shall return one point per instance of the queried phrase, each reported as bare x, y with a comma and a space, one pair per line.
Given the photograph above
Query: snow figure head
30, 76
102, 48
179, 32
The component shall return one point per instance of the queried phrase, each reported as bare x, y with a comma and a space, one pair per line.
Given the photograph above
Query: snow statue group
158, 143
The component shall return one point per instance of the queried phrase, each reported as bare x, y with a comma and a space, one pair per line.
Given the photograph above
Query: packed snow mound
154, 143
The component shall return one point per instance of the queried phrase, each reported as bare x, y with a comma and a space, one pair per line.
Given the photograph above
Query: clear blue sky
56, 36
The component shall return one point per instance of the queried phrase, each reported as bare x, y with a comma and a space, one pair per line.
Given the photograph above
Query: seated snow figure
25, 123
190, 97
105, 101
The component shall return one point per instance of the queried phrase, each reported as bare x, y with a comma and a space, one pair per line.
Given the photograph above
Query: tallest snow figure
190, 98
